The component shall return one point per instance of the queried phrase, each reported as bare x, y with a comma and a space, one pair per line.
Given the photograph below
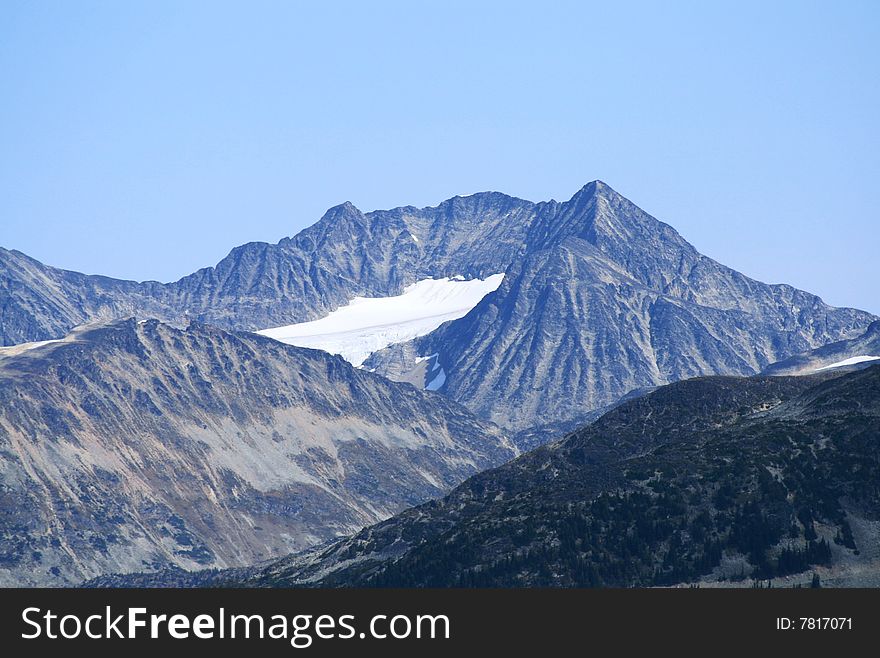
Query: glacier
367, 324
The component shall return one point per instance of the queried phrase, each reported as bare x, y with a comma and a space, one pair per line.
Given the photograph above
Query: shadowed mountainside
866, 345
707, 480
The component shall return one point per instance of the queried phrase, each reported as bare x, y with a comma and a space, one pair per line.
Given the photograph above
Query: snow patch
15, 350
848, 362
367, 324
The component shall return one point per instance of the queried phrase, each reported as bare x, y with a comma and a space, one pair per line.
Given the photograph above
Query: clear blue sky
146, 139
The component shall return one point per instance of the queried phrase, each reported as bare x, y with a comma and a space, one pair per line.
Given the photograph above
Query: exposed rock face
599, 298
848, 353
607, 300
136, 446
259, 285
39, 303
716, 479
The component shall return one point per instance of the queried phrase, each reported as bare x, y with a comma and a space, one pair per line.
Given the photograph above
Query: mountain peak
346, 208
593, 187
338, 217
475, 199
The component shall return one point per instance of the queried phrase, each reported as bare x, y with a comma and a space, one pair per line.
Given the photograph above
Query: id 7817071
814, 623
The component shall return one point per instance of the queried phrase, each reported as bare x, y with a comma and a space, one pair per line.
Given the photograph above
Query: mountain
40, 303
258, 285
598, 298
715, 480
861, 351
137, 446
606, 300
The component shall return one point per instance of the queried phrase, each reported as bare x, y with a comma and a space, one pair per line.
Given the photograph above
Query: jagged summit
472, 204
593, 187
598, 298
345, 209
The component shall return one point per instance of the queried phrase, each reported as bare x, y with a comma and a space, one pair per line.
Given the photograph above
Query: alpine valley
310, 396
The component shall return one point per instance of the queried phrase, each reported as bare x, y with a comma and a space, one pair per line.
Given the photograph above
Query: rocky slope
713, 480
599, 298
606, 300
39, 303
136, 446
258, 285
855, 353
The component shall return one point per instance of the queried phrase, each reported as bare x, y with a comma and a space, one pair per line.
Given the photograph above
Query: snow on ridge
848, 362
367, 324
15, 350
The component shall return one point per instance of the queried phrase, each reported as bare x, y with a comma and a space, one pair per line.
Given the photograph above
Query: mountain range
598, 299
135, 445
148, 426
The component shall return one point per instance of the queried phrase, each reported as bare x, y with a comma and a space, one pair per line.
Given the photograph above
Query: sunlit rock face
136, 446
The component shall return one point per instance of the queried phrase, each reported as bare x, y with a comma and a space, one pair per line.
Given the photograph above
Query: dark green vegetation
707, 479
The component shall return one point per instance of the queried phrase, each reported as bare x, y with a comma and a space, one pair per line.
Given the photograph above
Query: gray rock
868, 344
137, 446
608, 300
599, 298
259, 285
